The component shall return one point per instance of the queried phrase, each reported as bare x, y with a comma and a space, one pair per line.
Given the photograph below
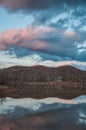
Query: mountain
41, 81
40, 73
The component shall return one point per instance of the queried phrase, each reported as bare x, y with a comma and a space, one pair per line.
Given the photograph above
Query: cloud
48, 40
7, 60
44, 10
80, 65
38, 4
27, 37
56, 13
57, 33
64, 17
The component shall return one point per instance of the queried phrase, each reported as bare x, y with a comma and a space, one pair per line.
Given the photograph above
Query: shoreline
44, 90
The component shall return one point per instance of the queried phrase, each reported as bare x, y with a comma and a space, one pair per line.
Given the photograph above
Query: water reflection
2, 100
82, 117
45, 114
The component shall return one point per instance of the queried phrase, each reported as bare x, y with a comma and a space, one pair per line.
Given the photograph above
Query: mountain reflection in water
44, 114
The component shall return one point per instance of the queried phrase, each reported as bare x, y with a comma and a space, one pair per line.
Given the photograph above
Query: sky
43, 32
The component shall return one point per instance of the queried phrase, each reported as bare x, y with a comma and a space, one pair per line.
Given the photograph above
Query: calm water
44, 114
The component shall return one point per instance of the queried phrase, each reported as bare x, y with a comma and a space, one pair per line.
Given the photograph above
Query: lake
43, 114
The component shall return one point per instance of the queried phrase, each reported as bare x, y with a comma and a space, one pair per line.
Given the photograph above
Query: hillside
43, 74
41, 81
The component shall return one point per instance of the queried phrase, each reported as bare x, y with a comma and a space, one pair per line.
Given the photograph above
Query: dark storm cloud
63, 17
38, 4
50, 38
46, 10
65, 44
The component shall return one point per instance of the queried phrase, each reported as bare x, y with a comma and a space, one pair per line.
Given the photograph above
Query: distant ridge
42, 66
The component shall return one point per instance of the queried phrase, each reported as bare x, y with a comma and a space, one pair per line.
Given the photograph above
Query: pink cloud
70, 33
63, 63
27, 37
